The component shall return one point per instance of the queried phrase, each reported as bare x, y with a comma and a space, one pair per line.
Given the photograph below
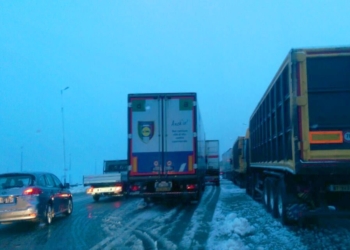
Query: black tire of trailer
242, 179
234, 179
283, 203
199, 192
255, 194
96, 197
266, 194
273, 197
248, 183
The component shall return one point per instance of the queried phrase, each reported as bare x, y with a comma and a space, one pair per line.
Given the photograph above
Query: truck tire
255, 194
199, 192
266, 194
273, 197
96, 198
248, 183
283, 205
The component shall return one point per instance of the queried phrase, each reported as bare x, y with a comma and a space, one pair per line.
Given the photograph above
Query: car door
63, 194
54, 192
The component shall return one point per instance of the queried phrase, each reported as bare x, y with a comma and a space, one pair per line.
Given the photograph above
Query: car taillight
32, 191
191, 186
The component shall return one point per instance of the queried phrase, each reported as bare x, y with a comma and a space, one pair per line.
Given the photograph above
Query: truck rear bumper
170, 195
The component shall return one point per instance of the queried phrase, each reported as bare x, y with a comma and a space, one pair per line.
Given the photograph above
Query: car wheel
69, 207
49, 214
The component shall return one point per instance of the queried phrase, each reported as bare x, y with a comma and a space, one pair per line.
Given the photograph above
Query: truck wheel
249, 184
96, 198
255, 194
199, 194
273, 198
283, 206
266, 194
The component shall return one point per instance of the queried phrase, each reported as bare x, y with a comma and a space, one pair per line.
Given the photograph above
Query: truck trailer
212, 175
227, 164
299, 145
238, 162
166, 146
212, 154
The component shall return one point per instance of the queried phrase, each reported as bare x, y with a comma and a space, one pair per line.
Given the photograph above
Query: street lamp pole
64, 141
21, 158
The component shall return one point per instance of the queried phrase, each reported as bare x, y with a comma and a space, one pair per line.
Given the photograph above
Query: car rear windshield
15, 180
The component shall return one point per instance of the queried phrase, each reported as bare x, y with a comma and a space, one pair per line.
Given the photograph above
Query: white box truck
212, 175
166, 146
212, 154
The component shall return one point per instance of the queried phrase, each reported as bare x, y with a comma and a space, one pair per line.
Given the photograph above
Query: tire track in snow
198, 228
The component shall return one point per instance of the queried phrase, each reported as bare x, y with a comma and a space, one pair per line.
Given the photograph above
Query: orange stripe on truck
134, 164
323, 137
190, 163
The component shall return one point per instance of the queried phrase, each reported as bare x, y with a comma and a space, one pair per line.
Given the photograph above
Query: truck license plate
340, 188
163, 186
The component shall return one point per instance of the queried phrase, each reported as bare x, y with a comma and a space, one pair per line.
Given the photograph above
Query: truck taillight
134, 188
191, 186
90, 190
32, 191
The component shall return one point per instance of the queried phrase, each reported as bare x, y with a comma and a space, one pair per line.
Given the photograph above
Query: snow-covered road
240, 223
225, 218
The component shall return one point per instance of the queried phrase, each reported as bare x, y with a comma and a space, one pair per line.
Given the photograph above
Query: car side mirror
66, 185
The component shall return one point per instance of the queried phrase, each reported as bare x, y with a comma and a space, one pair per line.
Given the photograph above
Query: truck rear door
161, 132
325, 118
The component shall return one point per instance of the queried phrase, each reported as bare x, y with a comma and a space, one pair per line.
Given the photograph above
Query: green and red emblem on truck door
146, 130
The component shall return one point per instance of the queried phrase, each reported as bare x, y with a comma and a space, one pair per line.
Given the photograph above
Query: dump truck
227, 164
113, 181
166, 146
238, 163
299, 137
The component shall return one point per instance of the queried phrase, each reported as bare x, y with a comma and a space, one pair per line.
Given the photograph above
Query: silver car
33, 196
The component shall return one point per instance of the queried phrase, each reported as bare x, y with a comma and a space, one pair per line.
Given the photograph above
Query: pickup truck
113, 181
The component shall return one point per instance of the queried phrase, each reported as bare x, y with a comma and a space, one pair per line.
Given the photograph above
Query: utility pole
63, 141
21, 158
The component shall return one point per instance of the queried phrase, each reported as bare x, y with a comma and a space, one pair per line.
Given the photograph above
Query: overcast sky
226, 51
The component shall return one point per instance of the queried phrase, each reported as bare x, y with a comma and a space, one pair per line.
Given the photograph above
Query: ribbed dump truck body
299, 141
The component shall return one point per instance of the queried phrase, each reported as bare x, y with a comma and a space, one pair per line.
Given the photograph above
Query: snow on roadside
78, 189
240, 223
